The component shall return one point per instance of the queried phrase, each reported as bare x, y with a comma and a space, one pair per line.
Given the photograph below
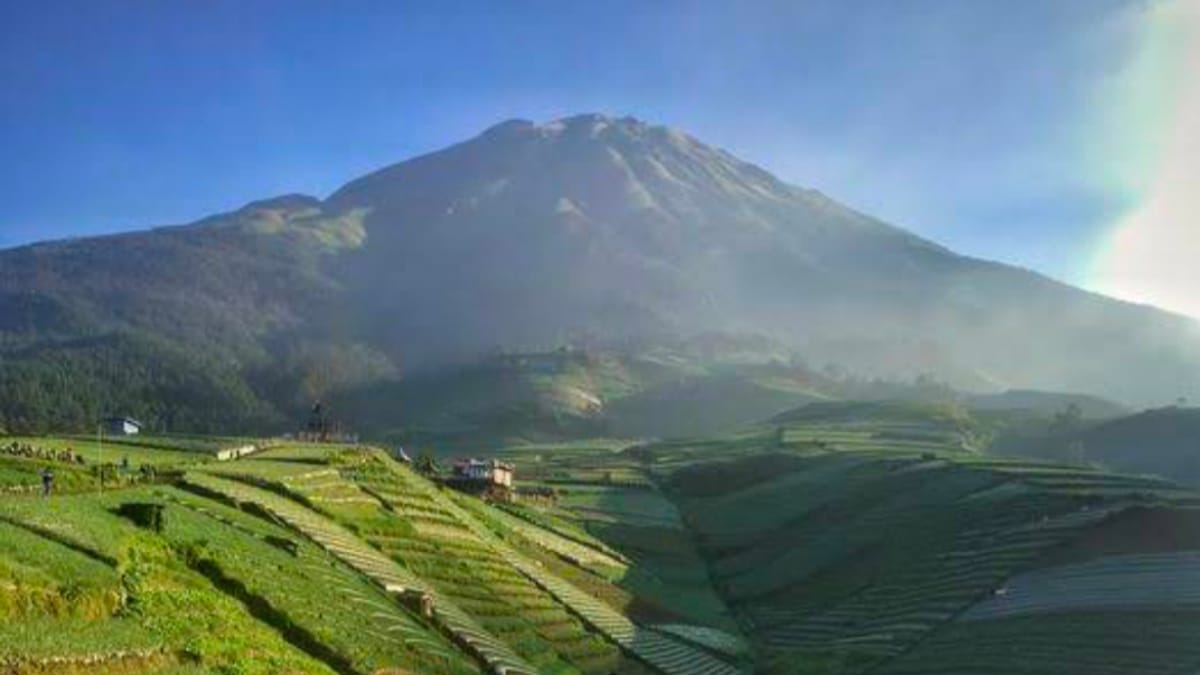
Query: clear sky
1060, 135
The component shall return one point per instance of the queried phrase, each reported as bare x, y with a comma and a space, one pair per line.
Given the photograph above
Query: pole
100, 454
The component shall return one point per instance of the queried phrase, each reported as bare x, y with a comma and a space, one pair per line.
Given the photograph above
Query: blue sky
996, 128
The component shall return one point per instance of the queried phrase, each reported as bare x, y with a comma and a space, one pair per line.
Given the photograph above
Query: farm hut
493, 472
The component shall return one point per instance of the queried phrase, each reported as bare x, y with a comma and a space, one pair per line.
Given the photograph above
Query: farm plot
589, 557
314, 593
664, 653
1093, 643
378, 567
712, 638
48, 645
619, 505
43, 577
902, 546
892, 613
770, 504
146, 450
81, 521
14, 475
562, 527
1167, 580
845, 525
161, 608
484, 583
313, 453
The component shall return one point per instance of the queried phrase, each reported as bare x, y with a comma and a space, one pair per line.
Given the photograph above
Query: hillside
666, 391
1160, 441
589, 231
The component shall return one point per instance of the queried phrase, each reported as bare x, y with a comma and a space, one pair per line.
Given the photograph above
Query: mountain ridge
588, 230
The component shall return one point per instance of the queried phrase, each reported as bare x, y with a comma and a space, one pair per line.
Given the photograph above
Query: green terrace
841, 544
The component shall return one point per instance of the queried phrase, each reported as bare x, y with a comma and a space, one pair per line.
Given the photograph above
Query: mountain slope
591, 231
598, 227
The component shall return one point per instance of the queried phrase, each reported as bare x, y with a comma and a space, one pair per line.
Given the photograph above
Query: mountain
590, 231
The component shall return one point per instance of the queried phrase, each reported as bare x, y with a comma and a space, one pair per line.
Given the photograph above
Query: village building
122, 426
485, 473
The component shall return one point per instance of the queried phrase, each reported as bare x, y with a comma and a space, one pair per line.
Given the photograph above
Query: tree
1068, 420
426, 463
1077, 451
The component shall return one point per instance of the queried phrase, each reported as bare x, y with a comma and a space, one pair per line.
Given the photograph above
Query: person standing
47, 481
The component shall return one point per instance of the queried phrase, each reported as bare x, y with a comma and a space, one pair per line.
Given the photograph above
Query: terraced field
1168, 580
214, 588
843, 549
1161, 642
666, 654
382, 570
635, 523
831, 544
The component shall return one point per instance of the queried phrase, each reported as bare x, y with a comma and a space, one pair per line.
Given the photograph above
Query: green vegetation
138, 450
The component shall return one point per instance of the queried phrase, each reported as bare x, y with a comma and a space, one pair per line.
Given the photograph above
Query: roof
490, 463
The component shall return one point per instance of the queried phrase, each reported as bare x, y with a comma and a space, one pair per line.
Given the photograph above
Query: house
122, 426
484, 472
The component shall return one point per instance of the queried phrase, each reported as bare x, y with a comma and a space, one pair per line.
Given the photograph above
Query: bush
146, 515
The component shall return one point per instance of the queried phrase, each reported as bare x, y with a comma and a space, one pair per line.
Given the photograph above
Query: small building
484, 472
122, 426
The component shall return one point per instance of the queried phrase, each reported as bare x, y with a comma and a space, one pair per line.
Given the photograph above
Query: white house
122, 426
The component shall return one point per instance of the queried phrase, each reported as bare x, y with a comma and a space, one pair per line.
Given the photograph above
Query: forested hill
214, 325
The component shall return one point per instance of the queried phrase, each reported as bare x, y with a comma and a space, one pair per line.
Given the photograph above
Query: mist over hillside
592, 231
